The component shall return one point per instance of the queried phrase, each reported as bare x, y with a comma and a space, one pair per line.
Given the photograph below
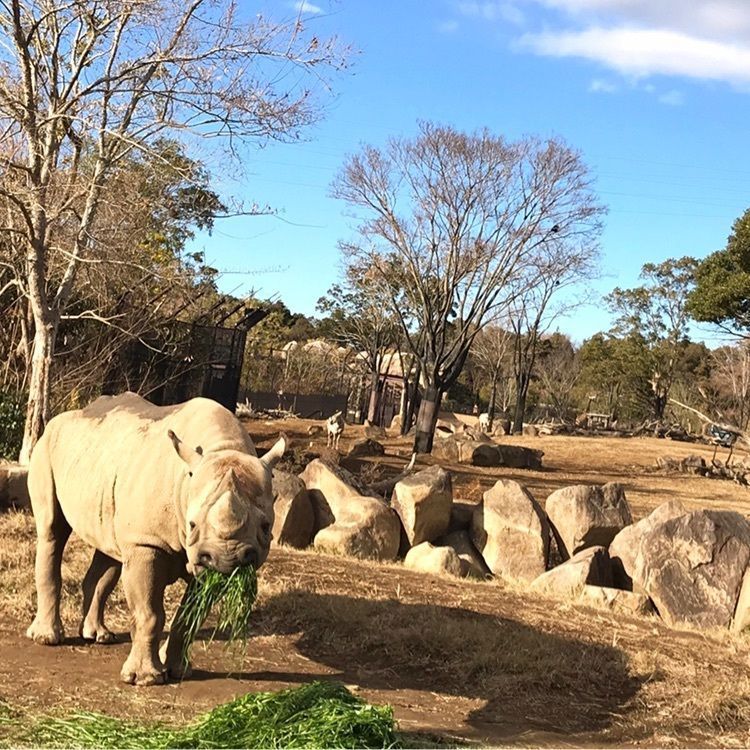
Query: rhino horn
228, 513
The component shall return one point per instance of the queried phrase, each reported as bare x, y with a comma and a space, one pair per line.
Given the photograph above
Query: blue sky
653, 93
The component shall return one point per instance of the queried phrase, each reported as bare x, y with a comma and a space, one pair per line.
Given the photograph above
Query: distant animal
335, 427
484, 422
132, 480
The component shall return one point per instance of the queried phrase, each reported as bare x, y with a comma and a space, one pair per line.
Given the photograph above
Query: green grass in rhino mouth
232, 595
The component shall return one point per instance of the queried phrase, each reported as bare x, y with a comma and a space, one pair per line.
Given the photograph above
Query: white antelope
334, 427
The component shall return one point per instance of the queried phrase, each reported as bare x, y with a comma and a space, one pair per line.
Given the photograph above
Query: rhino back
117, 476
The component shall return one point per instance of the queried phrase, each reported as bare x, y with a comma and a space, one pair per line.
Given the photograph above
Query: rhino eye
265, 527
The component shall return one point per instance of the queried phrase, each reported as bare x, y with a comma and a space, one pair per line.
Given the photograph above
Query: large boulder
616, 600
479, 450
369, 531
590, 567
423, 503
294, 519
366, 447
587, 516
348, 522
518, 457
625, 547
472, 564
331, 489
436, 560
511, 532
692, 567
14, 491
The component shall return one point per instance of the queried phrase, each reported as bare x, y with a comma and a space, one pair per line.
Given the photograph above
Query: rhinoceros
160, 493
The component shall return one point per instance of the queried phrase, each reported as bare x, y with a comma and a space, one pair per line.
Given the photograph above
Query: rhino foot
142, 674
45, 635
98, 634
179, 671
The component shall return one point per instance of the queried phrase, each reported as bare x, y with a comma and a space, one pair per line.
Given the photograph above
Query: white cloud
599, 86
672, 98
447, 27
304, 7
699, 39
719, 19
508, 12
645, 52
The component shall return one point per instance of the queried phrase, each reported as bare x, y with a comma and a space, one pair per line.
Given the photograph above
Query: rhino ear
273, 456
191, 457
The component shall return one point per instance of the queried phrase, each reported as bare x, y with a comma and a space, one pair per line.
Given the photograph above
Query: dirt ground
478, 662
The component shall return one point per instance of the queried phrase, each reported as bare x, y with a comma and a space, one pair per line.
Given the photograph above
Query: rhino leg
100, 580
52, 535
144, 579
171, 652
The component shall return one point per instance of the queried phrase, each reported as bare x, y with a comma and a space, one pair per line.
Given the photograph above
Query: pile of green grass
235, 595
318, 715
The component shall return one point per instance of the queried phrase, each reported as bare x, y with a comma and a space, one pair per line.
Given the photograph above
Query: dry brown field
460, 662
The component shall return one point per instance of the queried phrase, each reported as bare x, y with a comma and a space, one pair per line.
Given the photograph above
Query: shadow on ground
527, 680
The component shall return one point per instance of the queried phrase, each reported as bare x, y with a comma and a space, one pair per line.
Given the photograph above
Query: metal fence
308, 406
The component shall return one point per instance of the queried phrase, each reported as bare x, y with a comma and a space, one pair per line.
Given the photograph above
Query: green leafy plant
318, 715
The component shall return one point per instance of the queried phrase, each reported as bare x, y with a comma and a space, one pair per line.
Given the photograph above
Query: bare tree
567, 258
490, 352
732, 374
452, 222
559, 373
359, 319
85, 83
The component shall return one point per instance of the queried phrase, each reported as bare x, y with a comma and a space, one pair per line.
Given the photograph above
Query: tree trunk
372, 408
522, 389
403, 411
493, 399
38, 406
427, 419
413, 400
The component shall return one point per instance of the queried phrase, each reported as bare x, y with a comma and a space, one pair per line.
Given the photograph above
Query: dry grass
478, 660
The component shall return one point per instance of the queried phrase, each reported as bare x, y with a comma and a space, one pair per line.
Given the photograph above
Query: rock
331, 490
479, 450
741, 619
530, 430
461, 514
501, 426
693, 566
627, 602
436, 560
394, 428
625, 547
366, 531
518, 457
587, 516
366, 447
511, 532
346, 521
472, 564
692, 464
294, 519
423, 503
374, 432
14, 492
315, 429
590, 567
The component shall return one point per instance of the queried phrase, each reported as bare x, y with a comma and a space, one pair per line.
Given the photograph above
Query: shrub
11, 425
